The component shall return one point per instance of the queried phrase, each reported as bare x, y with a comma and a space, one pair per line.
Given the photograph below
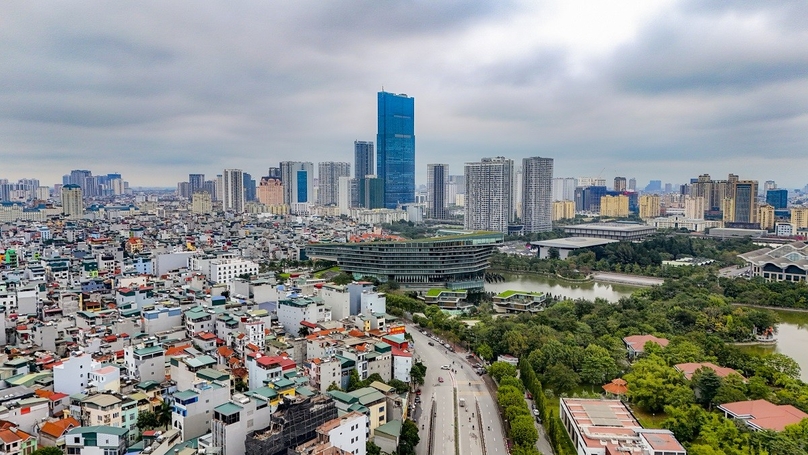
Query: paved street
733, 271
543, 444
470, 387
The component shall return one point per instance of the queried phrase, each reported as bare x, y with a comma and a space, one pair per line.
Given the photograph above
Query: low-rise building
97, 440
763, 415
636, 344
519, 302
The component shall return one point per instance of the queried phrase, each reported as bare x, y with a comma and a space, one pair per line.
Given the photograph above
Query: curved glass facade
454, 262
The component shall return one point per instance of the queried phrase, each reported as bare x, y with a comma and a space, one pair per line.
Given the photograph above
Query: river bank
773, 308
631, 280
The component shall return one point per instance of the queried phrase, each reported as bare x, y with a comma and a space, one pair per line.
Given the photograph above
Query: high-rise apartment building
537, 194
201, 202
489, 193
436, 175
614, 206
270, 191
632, 184
563, 210
233, 190
329, 175
196, 183
799, 217
346, 196
564, 189
298, 182
649, 206
363, 159
694, 207
620, 184
72, 201
395, 142
765, 216
210, 187
274, 173
769, 185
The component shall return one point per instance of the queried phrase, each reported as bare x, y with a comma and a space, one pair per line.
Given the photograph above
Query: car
529, 396
445, 367
431, 343
536, 412
440, 378
418, 392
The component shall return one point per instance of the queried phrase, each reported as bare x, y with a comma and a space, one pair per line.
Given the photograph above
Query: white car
445, 367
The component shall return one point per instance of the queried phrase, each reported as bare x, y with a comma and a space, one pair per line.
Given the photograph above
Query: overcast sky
647, 89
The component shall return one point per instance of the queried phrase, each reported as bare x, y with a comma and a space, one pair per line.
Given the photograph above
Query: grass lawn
648, 420
320, 274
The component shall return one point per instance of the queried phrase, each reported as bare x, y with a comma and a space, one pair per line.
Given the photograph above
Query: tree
372, 448
418, 373
732, 389
498, 370
343, 279
400, 386
705, 384
684, 422
525, 450
485, 352
552, 253
652, 384
508, 396
523, 431
47, 451
147, 420
561, 378
333, 386
354, 382
163, 413
409, 438
513, 382
598, 365
240, 386
303, 331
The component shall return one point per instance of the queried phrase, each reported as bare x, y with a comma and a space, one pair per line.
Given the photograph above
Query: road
543, 443
733, 271
470, 387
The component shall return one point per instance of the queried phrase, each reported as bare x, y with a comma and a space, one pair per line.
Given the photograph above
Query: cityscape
597, 246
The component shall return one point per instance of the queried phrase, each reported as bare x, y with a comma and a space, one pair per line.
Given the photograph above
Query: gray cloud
157, 90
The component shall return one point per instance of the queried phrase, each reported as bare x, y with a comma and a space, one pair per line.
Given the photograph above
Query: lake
792, 338
540, 283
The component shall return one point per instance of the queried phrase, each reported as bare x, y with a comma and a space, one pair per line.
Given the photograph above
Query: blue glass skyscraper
395, 144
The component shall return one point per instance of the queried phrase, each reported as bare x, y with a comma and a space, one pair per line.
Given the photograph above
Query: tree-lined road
469, 387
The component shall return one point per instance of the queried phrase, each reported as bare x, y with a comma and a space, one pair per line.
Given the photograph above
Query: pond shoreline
767, 307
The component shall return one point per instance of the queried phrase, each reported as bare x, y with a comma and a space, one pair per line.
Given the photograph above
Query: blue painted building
395, 144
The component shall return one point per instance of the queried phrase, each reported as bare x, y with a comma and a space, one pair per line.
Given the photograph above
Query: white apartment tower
537, 194
329, 174
233, 188
489, 194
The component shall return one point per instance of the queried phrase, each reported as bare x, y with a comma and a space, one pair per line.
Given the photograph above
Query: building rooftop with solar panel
607, 427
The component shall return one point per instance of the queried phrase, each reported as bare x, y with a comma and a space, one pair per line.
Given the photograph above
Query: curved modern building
784, 263
454, 261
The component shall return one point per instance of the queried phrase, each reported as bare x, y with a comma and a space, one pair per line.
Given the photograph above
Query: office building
537, 194
371, 192
765, 217
395, 142
564, 189
196, 183
654, 186
249, 188
210, 187
298, 182
436, 175
614, 206
777, 198
649, 206
72, 201
769, 185
587, 199
745, 201
363, 159
563, 210
589, 181
489, 193
329, 175
620, 184
233, 190
630, 232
